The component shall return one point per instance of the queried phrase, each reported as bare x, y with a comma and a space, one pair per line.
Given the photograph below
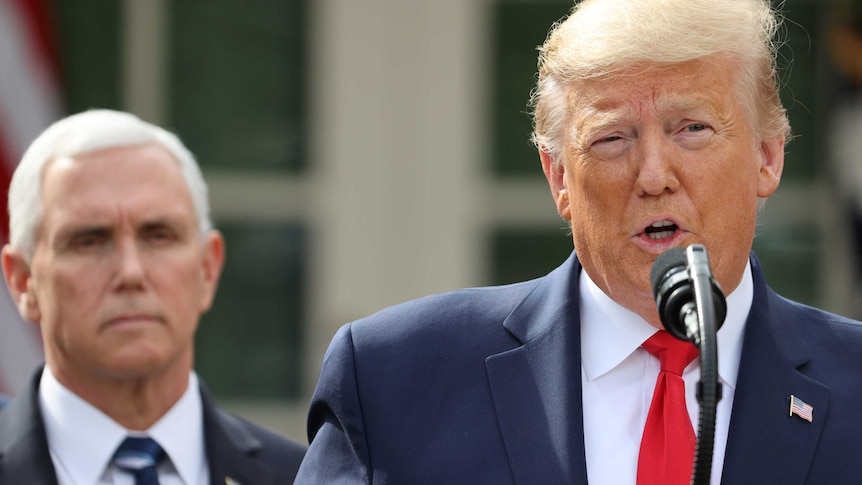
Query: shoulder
470, 311
828, 337
234, 443
817, 321
815, 324
20, 415
275, 444
424, 342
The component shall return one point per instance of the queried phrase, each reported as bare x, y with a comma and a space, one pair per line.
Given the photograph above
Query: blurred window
89, 46
248, 345
236, 86
236, 96
519, 28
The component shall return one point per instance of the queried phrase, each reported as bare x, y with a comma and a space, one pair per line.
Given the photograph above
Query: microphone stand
709, 388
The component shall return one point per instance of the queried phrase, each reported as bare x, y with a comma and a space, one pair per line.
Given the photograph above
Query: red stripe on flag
6, 162
40, 29
36, 17
30, 72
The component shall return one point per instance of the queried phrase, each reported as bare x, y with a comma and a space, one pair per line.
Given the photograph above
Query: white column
144, 61
397, 154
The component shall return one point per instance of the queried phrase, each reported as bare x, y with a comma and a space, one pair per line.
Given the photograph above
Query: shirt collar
610, 332
83, 439
180, 432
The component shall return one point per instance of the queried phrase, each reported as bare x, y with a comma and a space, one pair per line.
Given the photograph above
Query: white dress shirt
619, 377
82, 439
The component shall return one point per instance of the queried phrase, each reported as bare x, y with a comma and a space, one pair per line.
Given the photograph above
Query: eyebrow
70, 232
596, 120
159, 223
685, 103
76, 230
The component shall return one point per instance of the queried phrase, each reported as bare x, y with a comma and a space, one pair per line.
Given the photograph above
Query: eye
610, 146
159, 235
88, 240
610, 139
694, 135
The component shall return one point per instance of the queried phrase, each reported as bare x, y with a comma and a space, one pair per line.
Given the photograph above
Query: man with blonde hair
113, 255
658, 126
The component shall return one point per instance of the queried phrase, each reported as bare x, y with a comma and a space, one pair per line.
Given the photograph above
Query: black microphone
692, 306
673, 276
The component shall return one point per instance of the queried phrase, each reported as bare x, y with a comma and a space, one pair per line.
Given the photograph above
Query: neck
134, 402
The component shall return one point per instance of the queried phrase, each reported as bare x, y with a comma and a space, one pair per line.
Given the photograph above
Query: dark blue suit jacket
483, 386
235, 448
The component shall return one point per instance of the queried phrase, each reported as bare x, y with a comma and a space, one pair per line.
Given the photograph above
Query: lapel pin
230, 481
801, 408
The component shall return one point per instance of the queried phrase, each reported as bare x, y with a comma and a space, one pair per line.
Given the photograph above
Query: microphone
675, 276
692, 306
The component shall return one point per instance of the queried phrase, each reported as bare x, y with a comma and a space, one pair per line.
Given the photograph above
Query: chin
138, 362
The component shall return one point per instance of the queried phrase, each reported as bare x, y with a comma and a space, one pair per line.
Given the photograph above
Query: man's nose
656, 171
130, 271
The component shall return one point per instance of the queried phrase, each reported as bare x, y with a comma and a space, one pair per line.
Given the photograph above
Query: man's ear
16, 270
211, 267
771, 165
555, 172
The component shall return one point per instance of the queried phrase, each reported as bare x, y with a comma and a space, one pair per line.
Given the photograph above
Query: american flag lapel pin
801, 408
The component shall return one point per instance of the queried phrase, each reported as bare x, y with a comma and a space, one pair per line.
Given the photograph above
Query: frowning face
661, 159
120, 274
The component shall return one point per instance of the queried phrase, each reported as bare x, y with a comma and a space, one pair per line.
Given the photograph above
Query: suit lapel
24, 455
765, 444
231, 449
536, 387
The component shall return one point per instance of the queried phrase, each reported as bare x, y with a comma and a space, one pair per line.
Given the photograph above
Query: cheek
181, 287
727, 202
725, 178
731, 190
596, 208
57, 294
599, 194
66, 307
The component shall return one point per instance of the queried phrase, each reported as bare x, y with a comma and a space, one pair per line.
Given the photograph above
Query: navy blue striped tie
140, 456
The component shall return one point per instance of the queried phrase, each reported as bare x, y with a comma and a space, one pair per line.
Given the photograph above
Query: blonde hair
601, 38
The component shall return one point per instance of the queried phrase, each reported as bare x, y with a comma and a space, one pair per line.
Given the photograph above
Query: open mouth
661, 230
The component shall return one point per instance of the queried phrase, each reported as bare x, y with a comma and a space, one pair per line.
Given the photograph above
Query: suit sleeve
338, 453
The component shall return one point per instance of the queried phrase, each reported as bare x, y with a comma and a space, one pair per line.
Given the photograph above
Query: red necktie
667, 448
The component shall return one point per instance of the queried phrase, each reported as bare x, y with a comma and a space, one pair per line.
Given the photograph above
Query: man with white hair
659, 126
113, 256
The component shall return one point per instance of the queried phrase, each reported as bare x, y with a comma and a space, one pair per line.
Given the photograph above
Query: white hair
609, 37
83, 133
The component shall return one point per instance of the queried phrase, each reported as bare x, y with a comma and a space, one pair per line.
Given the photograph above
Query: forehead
132, 180
697, 84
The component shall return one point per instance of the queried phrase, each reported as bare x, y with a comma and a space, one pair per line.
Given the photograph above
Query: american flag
29, 102
801, 408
